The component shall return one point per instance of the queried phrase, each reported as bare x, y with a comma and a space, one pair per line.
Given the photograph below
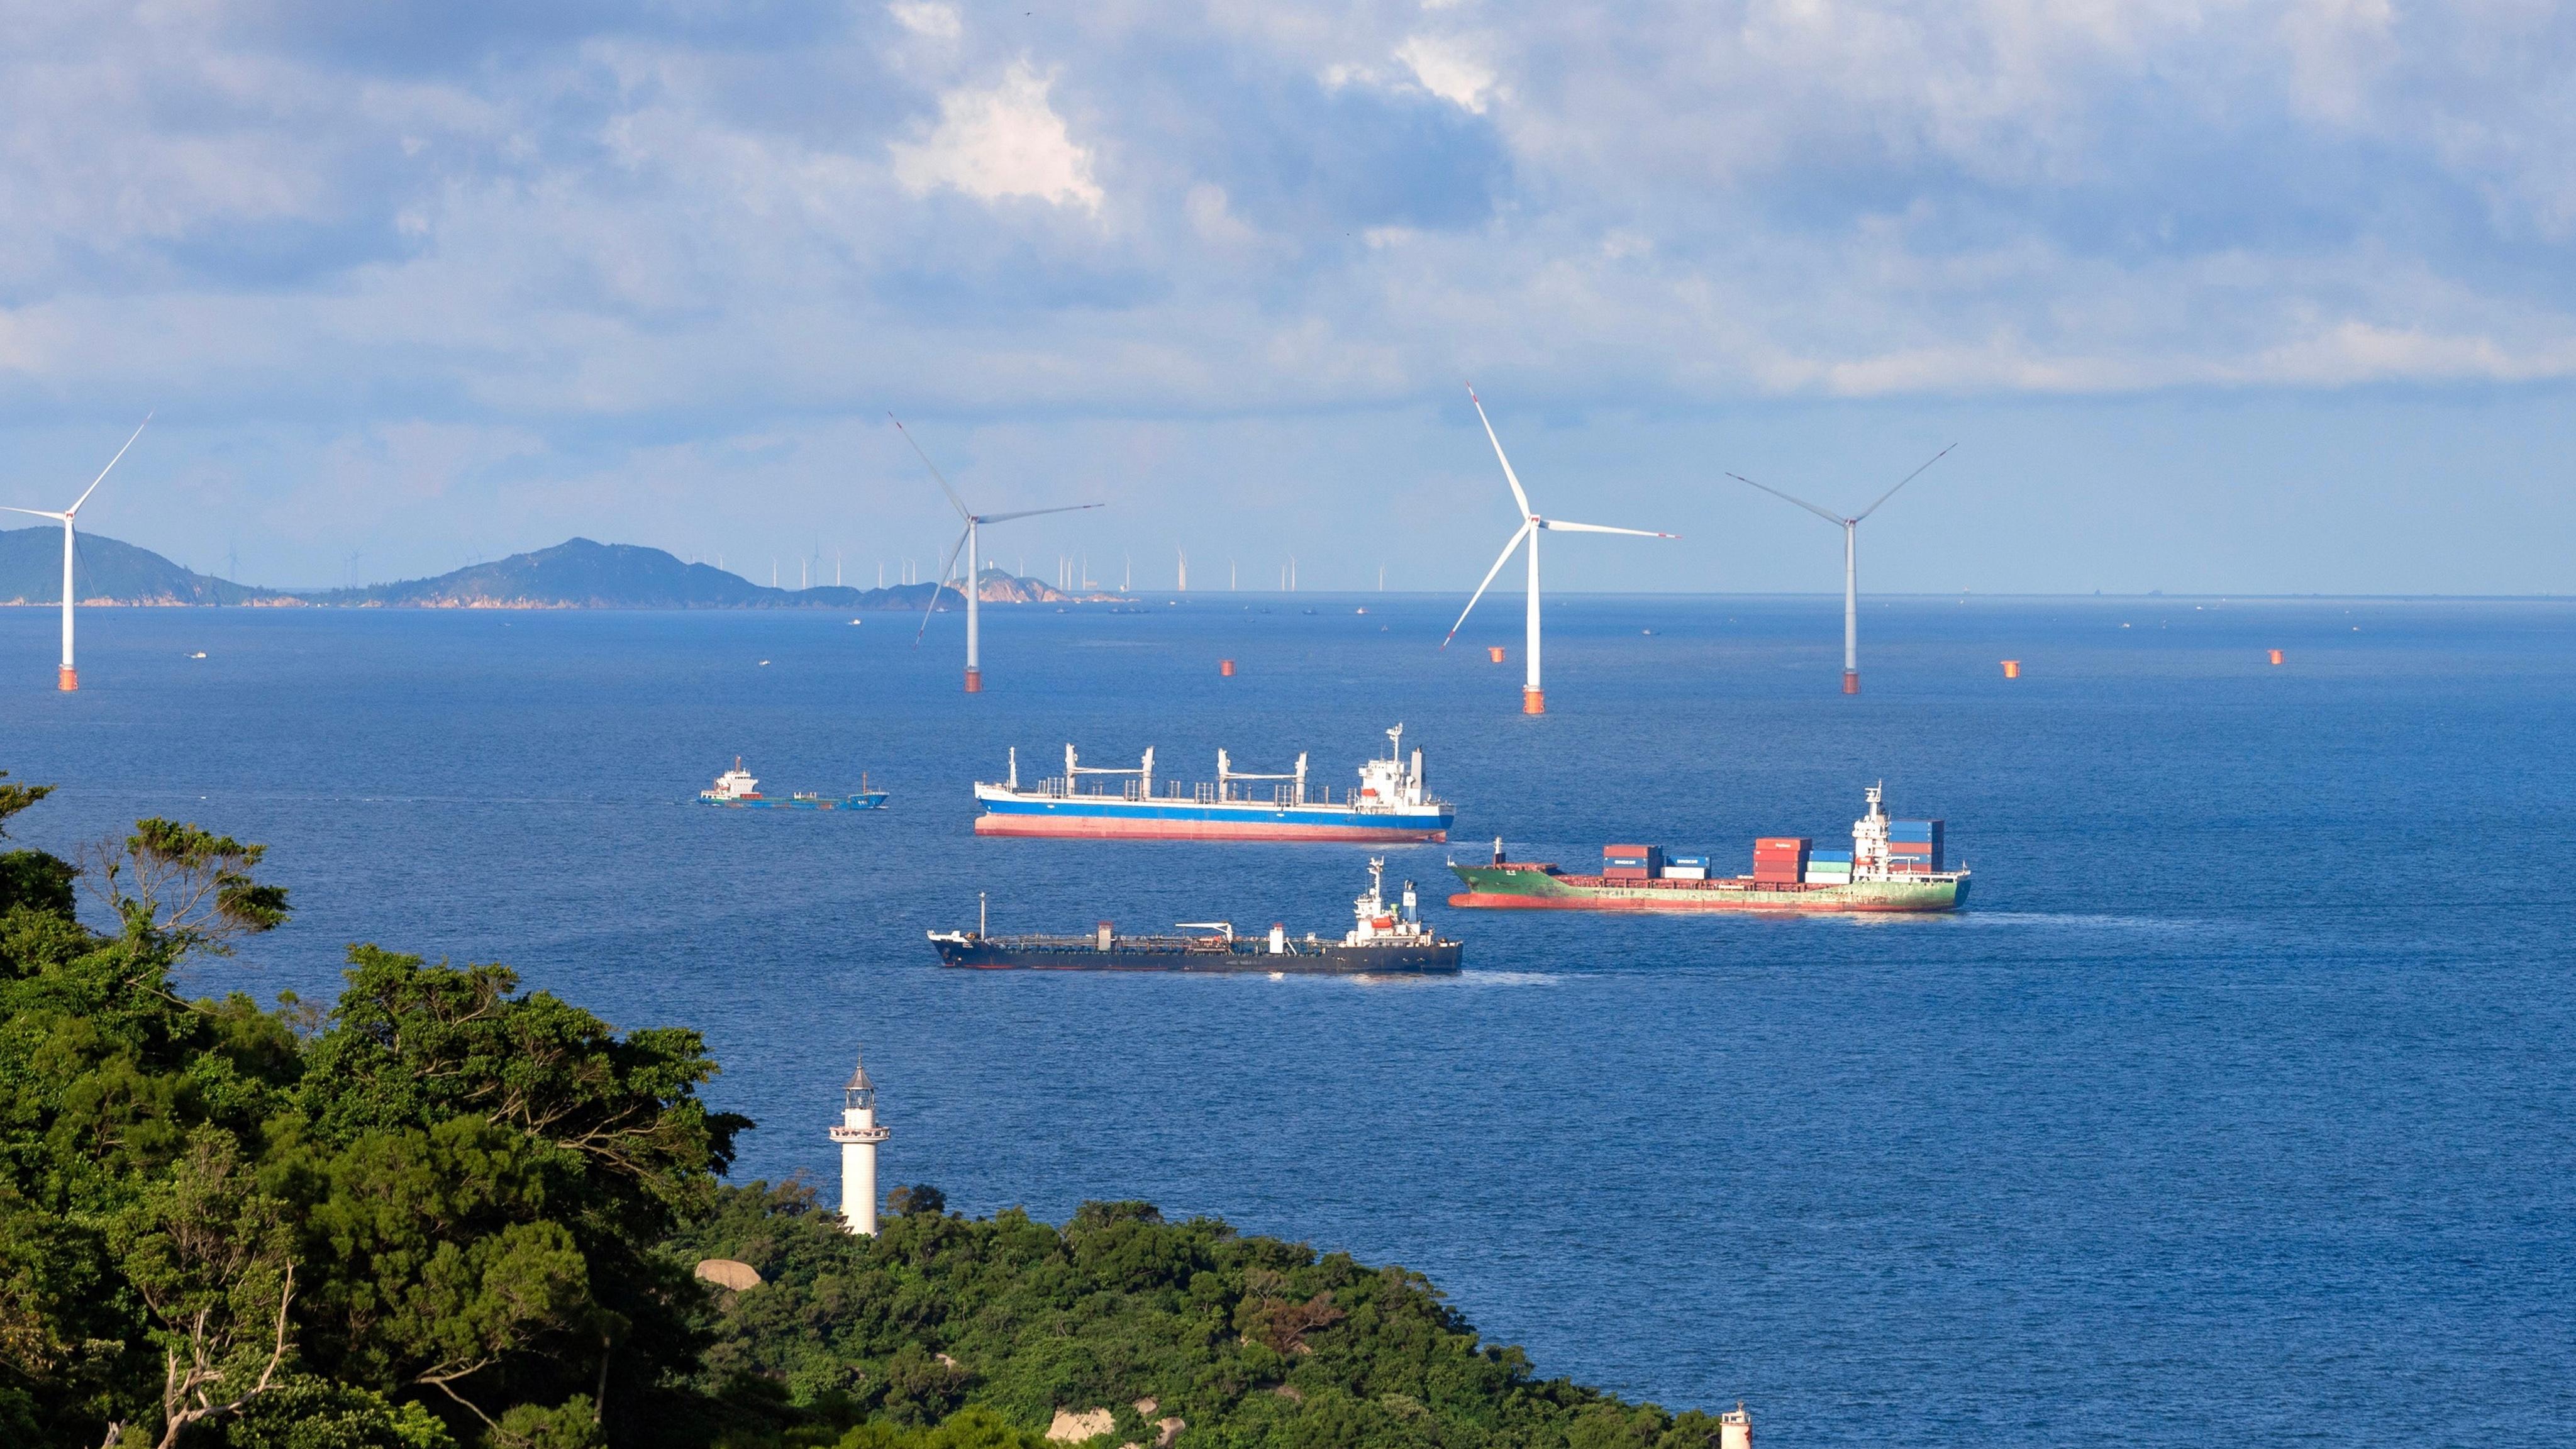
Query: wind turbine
1533, 698
967, 541
69, 679
1851, 577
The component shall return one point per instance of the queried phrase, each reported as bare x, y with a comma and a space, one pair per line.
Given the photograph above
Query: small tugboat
1381, 941
737, 789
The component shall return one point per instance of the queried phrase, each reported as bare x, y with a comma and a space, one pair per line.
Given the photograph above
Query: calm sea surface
2240, 1107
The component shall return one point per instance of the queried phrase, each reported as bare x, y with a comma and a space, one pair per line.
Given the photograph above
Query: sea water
2239, 1107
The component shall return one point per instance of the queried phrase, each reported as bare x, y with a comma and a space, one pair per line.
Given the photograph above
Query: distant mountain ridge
105, 571
575, 574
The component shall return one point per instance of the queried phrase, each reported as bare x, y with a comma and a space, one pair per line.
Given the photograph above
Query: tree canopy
448, 1213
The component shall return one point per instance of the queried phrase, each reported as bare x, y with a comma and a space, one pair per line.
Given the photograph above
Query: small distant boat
737, 789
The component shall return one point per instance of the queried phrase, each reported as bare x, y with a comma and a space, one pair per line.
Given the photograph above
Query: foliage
1250, 1341
450, 1214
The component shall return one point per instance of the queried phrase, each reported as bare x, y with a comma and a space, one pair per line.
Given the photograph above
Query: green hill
106, 571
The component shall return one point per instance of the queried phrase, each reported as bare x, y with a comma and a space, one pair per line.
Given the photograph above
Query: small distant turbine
1533, 698
967, 542
1851, 577
69, 679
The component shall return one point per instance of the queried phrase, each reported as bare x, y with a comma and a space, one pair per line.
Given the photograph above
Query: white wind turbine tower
967, 541
1533, 698
1851, 576
69, 679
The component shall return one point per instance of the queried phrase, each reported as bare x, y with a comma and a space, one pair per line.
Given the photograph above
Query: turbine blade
1835, 519
39, 513
74, 510
1509, 476
933, 606
1901, 482
1503, 558
1034, 512
936, 476
1554, 524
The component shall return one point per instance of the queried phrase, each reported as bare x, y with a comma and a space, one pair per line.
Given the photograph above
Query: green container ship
1901, 875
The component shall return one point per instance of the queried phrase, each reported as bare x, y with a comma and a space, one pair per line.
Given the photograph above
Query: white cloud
927, 18
1449, 70
1002, 142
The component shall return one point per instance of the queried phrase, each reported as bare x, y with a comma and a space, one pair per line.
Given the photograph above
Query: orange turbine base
1533, 701
974, 681
68, 680
1851, 681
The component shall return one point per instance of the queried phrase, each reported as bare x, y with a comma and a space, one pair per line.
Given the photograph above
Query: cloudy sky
2230, 297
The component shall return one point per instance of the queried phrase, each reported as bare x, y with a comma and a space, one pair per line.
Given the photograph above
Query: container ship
1893, 866
1393, 803
737, 789
1381, 941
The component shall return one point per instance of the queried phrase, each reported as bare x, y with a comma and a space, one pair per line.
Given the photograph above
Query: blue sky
2223, 297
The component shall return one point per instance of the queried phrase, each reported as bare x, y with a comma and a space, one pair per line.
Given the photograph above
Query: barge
1383, 941
736, 789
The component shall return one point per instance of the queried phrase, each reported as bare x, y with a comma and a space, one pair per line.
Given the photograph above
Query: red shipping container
1625, 872
1639, 851
1780, 842
1909, 847
1769, 876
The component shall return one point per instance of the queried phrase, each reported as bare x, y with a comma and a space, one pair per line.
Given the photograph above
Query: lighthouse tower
859, 1135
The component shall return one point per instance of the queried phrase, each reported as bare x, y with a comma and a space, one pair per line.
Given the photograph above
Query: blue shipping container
1698, 860
1815, 856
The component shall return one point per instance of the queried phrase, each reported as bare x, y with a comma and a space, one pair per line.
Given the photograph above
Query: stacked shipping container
1780, 858
1631, 862
1829, 867
1686, 867
1914, 846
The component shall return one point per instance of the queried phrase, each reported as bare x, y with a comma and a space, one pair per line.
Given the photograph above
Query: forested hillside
446, 1213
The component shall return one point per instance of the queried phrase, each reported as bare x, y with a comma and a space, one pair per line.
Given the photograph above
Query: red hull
1096, 828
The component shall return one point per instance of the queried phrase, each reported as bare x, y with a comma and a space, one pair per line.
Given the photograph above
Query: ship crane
1227, 774
1073, 771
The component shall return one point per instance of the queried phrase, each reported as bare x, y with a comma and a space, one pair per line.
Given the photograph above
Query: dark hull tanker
1382, 941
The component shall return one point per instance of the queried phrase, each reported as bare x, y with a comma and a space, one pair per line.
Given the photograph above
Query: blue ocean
2239, 1107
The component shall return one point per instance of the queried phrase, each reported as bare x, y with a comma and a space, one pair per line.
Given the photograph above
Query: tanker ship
1382, 940
1893, 866
1393, 803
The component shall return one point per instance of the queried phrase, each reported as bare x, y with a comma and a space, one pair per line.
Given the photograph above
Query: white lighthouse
859, 1135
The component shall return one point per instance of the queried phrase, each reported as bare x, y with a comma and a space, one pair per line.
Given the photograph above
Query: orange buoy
2276, 656
1225, 668
2012, 669
1494, 652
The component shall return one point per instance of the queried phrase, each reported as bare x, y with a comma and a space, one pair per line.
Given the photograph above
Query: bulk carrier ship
1382, 940
1392, 804
1893, 866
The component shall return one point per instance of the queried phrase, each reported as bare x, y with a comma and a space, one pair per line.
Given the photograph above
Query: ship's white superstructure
733, 784
1375, 924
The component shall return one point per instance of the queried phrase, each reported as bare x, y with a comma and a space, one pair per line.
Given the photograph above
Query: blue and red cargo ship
1392, 804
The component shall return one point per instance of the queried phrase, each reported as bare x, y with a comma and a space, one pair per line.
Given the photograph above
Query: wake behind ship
1393, 803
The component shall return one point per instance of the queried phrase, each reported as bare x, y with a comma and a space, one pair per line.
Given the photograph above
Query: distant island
575, 574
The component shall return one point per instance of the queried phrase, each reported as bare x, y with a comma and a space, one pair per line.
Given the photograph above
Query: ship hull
1088, 818
1531, 888
1239, 958
873, 800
